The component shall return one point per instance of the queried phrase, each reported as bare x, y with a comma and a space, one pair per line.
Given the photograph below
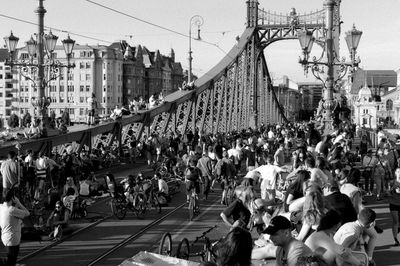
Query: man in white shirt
236, 154
353, 234
269, 174
9, 172
11, 214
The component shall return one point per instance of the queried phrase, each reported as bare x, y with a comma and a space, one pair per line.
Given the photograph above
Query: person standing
205, 166
9, 172
11, 214
92, 106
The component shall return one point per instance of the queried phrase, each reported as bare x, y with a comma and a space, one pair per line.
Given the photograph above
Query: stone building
146, 72
6, 88
115, 74
98, 70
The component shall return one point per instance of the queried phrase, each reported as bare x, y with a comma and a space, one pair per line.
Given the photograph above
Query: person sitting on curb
285, 248
356, 235
58, 221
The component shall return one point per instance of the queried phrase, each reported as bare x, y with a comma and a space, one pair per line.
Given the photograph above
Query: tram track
36, 254
135, 235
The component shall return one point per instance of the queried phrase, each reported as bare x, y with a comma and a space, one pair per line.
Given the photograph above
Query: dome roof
364, 92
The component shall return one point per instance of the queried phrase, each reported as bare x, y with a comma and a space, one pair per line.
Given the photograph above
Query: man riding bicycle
225, 171
192, 179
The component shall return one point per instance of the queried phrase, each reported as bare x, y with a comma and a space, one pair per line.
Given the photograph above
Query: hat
277, 223
252, 174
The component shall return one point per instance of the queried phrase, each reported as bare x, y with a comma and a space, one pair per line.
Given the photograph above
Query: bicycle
193, 204
230, 191
120, 205
208, 251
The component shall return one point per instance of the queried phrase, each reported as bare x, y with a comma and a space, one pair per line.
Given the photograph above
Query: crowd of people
310, 200
310, 208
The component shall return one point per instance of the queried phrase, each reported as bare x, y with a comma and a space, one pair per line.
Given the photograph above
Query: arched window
389, 105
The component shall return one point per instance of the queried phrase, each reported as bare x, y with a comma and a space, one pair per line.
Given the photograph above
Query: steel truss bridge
235, 94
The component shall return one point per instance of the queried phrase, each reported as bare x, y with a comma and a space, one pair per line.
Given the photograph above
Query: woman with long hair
235, 249
313, 209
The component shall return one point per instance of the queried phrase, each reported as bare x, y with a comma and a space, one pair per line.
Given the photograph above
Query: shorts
192, 185
393, 207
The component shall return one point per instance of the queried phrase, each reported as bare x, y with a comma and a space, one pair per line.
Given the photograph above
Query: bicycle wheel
118, 208
165, 247
183, 250
191, 208
139, 205
156, 203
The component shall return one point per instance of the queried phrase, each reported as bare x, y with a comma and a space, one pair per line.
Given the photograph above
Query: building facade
146, 73
115, 74
6, 88
98, 70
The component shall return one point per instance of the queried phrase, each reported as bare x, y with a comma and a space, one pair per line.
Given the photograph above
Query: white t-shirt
236, 154
268, 176
10, 224
350, 229
84, 188
162, 186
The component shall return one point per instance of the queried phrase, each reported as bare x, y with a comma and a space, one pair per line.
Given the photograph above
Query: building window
104, 88
87, 64
62, 99
81, 65
81, 111
70, 76
104, 77
81, 88
70, 88
87, 87
81, 99
61, 88
88, 76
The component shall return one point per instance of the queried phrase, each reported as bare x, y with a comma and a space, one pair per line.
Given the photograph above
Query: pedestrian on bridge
9, 172
92, 106
11, 214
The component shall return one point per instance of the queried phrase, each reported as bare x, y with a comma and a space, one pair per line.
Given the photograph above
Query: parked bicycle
208, 252
120, 204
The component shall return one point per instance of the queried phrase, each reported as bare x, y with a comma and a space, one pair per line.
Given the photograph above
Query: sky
223, 21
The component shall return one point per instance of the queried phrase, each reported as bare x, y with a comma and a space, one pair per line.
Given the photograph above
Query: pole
328, 93
42, 109
190, 52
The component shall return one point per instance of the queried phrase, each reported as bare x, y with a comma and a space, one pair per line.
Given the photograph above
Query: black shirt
238, 211
343, 205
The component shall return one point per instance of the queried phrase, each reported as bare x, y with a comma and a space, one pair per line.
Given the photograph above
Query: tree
13, 121
26, 119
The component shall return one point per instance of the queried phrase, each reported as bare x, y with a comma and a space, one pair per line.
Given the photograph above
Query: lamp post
34, 68
198, 21
329, 59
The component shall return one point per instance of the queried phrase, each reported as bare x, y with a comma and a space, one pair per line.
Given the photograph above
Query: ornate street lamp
40, 59
330, 60
198, 21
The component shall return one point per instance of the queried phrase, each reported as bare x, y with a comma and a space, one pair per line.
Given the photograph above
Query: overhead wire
157, 26
55, 29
